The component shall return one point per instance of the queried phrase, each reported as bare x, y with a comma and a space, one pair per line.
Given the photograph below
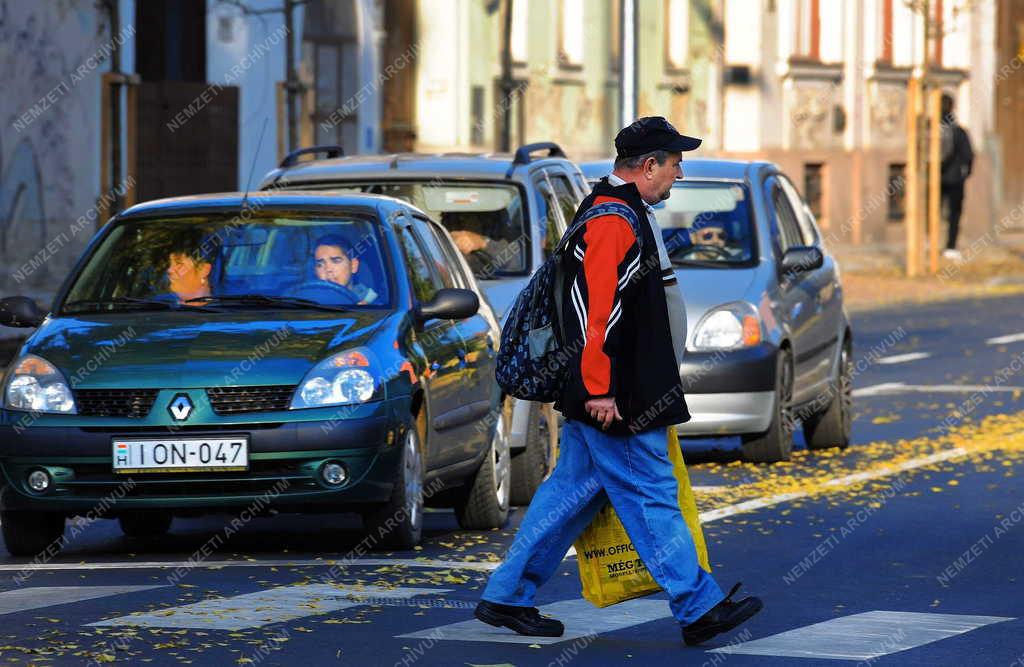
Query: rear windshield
486, 221
230, 262
707, 224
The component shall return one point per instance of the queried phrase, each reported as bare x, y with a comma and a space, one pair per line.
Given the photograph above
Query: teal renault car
298, 352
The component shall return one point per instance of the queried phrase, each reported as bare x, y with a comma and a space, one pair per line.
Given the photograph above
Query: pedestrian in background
621, 300
957, 161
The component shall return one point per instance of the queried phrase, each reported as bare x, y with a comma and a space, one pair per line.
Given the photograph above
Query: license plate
182, 455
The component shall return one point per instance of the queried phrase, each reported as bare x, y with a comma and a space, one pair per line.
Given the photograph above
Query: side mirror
801, 258
20, 311
449, 304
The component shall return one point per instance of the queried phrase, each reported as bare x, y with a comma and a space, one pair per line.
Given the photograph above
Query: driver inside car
335, 262
711, 234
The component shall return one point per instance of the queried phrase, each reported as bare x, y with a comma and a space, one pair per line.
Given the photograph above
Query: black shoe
724, 616
524, 620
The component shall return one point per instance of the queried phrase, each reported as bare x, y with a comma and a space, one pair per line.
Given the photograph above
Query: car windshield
486, 221
293, 261
707, 224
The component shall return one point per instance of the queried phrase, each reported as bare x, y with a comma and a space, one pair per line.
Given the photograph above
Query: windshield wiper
266, 300
134, 302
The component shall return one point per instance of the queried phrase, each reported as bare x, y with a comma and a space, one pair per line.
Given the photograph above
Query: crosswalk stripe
37, 597
863, 636
581, 619
902, 358
276, 605
902, 388
1002, 340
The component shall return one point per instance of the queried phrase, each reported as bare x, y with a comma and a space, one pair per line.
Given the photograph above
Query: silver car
768, 340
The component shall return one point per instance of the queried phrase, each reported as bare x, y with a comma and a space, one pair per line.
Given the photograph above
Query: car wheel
30, 533
832, 426
484, 503
145, 524
775, 444
532, 465
398, 523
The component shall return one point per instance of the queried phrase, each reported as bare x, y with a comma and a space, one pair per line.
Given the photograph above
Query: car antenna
245, 197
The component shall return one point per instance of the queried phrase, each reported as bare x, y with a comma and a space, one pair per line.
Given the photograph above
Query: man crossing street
621, 300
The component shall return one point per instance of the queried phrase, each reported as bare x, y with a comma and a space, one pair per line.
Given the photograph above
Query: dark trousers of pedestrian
953, 196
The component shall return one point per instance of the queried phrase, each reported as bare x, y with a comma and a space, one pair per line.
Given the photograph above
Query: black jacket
956, 167
615, 315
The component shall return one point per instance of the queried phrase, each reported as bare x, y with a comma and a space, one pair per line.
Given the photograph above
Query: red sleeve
609, 241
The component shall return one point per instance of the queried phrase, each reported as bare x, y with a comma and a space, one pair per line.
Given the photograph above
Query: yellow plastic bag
610, 568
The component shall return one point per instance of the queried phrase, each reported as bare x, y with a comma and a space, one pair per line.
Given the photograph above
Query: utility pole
291, 78
506, 84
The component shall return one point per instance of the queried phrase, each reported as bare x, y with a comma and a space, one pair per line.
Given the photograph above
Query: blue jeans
634, 472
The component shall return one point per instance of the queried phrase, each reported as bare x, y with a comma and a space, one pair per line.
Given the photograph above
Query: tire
485, 502
398, 523
30, 533
775, 444
532, 465
145, 524
832, 426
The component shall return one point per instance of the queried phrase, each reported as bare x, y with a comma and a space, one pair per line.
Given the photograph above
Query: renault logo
180, 407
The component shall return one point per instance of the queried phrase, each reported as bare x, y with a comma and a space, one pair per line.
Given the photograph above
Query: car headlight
727, 327
35, 385
340, 379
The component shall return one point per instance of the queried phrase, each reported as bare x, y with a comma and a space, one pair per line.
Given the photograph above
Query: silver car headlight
344, 378
728, 327
35, 385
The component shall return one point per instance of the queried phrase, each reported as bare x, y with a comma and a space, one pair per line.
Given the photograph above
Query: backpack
533, 360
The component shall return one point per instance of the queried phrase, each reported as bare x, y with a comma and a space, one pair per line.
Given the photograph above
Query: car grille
115, 402
233, 400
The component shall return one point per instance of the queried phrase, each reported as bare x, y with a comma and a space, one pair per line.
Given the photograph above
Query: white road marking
862, 636
581, 619
901, 388
220, 564
36, 597
276, 605
708, 489
1010, 338
901, 358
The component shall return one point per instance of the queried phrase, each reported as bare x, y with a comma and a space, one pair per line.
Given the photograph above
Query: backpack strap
607, 208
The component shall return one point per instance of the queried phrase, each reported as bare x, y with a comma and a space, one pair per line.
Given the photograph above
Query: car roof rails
292, 158
522, 155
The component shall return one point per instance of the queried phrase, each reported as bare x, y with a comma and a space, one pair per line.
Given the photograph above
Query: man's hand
603, 410
467, 241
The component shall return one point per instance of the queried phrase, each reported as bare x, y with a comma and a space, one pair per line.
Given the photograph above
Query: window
520, 31
677, 33
788, 233
549, 215
808, 29
451, 255
329, 65
707, 224
476, 113
425, 282
804, 217
434, 252
814, 187
894, 189
565, 195
614, 35
570, 47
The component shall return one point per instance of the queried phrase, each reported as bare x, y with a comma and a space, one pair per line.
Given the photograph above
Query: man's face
659, 178
334, 266
709, 236
186, 275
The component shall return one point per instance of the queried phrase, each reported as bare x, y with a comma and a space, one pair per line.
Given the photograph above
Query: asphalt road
902, 550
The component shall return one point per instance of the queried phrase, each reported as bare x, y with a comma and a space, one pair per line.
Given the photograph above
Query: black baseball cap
652, 133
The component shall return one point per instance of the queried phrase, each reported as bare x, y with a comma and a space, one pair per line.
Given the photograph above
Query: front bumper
284, 462
729, 392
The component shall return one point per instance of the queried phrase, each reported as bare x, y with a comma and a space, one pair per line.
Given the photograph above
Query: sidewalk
873, 276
